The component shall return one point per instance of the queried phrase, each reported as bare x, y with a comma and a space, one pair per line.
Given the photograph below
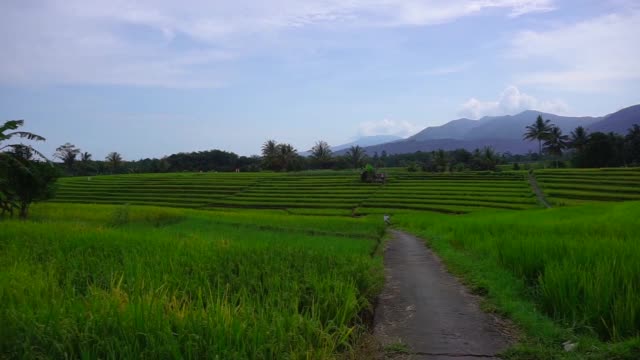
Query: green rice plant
581, 264
200, 285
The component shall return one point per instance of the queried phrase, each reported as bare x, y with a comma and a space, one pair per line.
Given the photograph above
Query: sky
150, 78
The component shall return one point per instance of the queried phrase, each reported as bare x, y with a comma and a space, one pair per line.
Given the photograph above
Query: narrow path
429, 311
536, 189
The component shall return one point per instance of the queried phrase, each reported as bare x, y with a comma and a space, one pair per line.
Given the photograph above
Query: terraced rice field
333, 193
576, 186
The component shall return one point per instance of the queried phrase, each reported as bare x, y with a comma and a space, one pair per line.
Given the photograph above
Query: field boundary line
536, 189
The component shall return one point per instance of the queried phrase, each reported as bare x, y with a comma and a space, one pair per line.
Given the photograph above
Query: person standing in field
387, 219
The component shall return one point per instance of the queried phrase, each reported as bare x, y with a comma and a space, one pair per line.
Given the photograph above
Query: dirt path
426, 313
536, 189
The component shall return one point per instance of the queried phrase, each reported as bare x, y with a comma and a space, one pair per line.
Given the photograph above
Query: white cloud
388, 127
511, 101
134, 43
593, 55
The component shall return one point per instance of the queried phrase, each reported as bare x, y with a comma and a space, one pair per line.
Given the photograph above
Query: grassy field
285, 265
85, 281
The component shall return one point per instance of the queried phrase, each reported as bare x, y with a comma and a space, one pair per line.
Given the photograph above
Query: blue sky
154, 77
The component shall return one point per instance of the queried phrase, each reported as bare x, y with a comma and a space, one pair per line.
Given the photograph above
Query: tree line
584, 149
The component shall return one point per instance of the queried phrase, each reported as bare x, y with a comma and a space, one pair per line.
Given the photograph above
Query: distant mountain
619, 122
503, 133
367, 141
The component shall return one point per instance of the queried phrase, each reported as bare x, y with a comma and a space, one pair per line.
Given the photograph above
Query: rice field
337, 193
577, 186
287, 265
580, 264
105, 281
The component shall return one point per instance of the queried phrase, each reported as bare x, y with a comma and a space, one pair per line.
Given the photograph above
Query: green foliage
580, 263
538, 131
211, 285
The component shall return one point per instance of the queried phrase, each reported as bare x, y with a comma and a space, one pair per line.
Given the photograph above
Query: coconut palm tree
286, 155
539, 131
555, 143
355, 155
85, 156
270, 154
321, 153
114, 160
578, 139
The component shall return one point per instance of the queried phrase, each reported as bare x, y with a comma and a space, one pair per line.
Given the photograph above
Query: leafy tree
286, 155
114, 160
22, 180
539, 131
270, 154
555, 143
441, 160
355, 156
68, 154
32, 181
85, 157
632, 145
578, 139
321, 154
602, 150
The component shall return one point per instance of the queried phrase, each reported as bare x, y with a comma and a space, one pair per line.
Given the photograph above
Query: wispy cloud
592, 55
510, 101
173, 44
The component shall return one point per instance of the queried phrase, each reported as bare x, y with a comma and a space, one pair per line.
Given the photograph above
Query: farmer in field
387, 219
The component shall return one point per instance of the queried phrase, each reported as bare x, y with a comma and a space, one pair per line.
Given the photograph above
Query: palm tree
355, 156
539, 130
13, 125
270, 154
85, 156
578, 139
114, 159
67, 153
321, 153
556, 142
286, 155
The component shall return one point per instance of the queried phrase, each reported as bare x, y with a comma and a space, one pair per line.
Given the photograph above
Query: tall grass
136, 282
581, 264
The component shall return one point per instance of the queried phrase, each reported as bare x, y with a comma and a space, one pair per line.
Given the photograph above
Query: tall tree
68, 154
85, 157
632, 145
114, 160
441, 160
355, 156
286, 156
539, 131
22, 180
321, 154
555, 143
270, 154
578, 139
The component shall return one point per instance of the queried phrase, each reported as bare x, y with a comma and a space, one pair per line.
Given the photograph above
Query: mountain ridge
503, 133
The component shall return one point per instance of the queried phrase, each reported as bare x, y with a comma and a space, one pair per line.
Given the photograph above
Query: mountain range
503, 133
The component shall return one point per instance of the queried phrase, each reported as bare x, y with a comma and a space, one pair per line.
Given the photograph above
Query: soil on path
426, 313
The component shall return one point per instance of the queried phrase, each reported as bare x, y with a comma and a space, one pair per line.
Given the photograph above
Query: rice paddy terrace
342, 193
338, 193
577, 186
